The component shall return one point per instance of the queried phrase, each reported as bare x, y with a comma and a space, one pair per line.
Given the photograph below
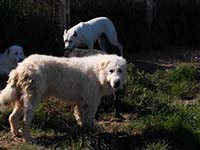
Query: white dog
10, 58
87, 52
88, 32
80, 81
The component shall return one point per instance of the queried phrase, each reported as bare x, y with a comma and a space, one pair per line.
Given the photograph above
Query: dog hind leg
102, 42
77, 114
14, 117
112, 37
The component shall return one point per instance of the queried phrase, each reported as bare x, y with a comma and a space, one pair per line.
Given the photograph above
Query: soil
167, 58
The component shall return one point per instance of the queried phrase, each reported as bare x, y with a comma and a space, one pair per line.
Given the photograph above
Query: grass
161, 112
158, 145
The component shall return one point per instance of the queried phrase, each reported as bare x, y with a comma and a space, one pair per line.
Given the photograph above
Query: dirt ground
150, 61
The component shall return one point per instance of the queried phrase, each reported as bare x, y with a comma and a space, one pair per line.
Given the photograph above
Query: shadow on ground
150, 67
179, 138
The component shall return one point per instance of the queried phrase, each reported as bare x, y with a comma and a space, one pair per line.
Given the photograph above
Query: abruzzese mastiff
80, 81
86, 33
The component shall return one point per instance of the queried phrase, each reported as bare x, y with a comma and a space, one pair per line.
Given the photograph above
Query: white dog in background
10, 58
68, 79
88, 32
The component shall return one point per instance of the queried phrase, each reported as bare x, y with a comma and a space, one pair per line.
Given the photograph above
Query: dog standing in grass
87, 52
69, 79
86, 33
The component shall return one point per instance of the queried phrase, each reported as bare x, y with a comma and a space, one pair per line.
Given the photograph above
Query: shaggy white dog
80, 81
10, 58
88, 32
87, 52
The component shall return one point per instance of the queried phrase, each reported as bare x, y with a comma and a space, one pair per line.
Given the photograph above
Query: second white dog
10, 58
88, 32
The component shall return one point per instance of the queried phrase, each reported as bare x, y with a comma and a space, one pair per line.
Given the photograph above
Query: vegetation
161, 111
34, 25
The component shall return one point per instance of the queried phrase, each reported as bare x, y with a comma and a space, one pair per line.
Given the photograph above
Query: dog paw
17, 133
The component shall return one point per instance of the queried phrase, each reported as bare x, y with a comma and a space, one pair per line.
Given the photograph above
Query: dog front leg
30, 105
91, 45
87, 115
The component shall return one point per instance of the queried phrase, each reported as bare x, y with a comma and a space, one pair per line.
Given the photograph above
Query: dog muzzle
20, 60
115, 85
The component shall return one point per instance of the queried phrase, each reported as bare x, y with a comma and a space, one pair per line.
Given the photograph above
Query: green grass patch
165, 108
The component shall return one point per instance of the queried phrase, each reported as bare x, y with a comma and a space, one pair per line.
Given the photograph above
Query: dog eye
119, 70
111, 71
16, 53
69, 41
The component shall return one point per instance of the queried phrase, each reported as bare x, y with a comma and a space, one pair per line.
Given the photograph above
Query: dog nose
116, 84
20, 60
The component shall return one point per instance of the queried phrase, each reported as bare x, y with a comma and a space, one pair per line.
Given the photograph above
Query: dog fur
68, 79
87, 52
88, 32
8, 61
10, 58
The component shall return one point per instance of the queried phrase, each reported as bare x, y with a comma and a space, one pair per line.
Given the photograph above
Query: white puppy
88, 32
10, 58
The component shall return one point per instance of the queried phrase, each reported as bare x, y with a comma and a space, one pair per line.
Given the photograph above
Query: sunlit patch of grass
158, 145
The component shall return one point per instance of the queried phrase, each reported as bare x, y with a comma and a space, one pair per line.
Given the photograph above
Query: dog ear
65, 31
75, 33
103, 64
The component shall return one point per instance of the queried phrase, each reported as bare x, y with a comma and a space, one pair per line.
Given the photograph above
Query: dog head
113, 72
15, 53
71, 39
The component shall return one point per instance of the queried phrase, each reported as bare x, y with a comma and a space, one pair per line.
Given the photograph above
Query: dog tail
9, 94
